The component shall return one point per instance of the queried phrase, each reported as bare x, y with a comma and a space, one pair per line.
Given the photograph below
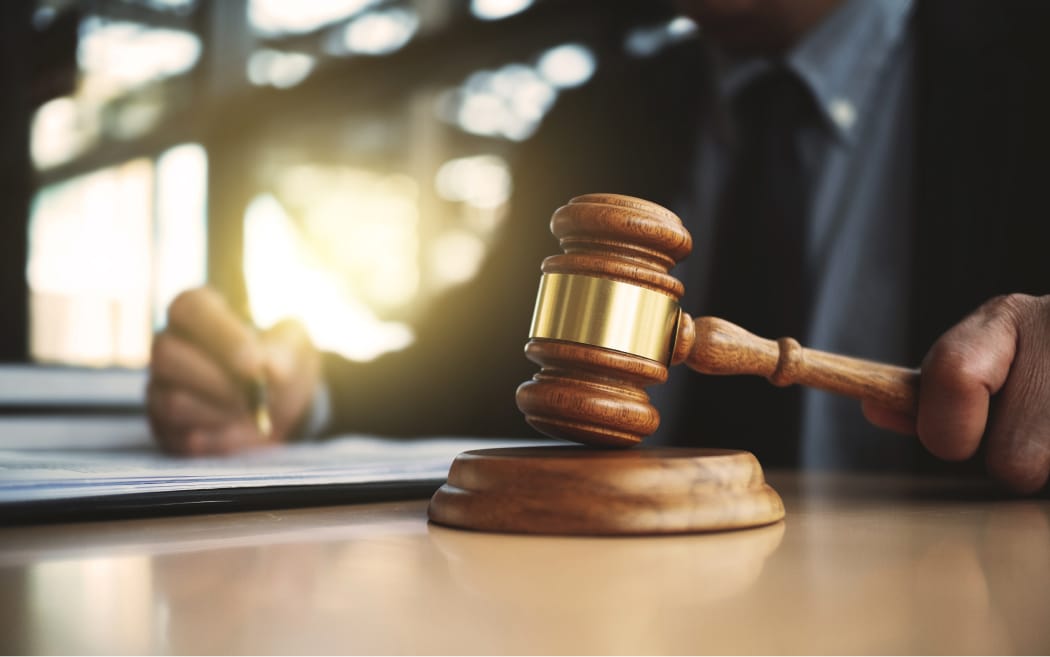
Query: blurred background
348, 163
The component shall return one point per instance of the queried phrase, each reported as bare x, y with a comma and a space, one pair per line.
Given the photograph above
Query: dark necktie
759, 278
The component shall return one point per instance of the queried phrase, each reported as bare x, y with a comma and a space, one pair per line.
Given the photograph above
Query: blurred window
491, 10
89, 266
180, 236
107, 252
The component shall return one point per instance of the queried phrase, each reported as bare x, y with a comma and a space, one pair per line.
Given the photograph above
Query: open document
47, 485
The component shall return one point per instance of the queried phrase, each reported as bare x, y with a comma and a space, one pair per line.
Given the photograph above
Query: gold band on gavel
605, 313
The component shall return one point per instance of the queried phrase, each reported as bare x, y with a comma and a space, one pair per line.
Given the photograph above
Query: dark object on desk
584, 491
607, 324
150, 504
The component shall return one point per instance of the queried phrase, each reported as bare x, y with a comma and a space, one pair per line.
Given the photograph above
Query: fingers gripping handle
714, 346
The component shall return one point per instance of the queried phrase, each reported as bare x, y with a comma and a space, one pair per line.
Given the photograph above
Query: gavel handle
714, 346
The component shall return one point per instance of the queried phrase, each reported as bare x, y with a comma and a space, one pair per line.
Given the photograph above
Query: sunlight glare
380, 32
276, 17
82, 596
568, 65
278, 69
456, 256
509, 102
284, 280
482, 181
490, 10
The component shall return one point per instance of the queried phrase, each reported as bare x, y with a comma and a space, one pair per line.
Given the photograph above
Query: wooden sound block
585, 491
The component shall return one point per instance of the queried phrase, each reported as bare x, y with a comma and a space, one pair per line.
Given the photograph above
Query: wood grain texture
572, 490
716, 346
590, 395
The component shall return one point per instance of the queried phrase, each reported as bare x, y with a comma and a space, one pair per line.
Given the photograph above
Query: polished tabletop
861, 564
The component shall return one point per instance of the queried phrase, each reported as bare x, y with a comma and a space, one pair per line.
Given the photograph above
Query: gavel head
606, 320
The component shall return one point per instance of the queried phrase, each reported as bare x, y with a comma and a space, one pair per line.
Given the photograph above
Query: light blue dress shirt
858, 63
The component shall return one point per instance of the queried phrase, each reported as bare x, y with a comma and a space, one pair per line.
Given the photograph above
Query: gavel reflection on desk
607, 323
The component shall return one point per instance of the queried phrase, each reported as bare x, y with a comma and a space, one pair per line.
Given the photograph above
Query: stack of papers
47, 485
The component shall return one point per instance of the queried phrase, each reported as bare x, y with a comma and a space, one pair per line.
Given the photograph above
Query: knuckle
953, 364
169, 404
1014, 306
188, 302
1007, 302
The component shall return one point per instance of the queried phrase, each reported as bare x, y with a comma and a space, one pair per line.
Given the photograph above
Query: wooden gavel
607, 323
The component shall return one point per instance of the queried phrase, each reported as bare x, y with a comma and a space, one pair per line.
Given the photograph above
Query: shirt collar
839, 60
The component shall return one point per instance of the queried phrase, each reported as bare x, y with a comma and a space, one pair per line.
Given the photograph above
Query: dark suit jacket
981, 229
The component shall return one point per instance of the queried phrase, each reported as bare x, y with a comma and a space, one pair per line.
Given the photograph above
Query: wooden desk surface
861, 565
